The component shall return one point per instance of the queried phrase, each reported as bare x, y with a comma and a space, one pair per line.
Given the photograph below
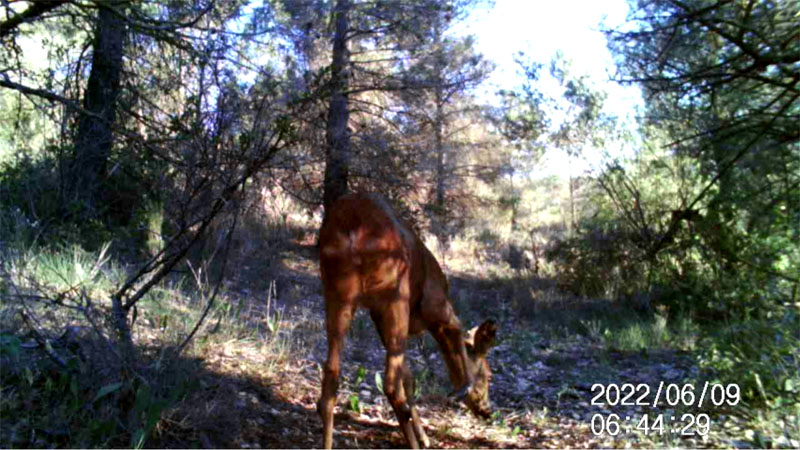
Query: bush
60, 367
600, 260
34, 206
29, 190
761, 356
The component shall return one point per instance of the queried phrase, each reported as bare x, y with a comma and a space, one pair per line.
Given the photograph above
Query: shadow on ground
259, 389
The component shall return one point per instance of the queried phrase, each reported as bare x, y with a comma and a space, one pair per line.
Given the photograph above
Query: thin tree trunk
441, 189
92, 150
95, 136
440, 208
438, 125
337, 135
572, 223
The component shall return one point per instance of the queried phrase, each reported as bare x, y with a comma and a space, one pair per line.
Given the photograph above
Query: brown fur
369, 258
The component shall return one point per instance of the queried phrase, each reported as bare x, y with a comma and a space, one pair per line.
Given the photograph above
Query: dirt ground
542, 388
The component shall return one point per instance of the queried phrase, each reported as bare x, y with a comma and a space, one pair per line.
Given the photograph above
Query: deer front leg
396, 393
443, 324
454, 353
392, 324
446, 329
408, 385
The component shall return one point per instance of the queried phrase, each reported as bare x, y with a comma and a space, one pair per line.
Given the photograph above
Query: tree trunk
572, 223
440, 209
337, 135
95, 135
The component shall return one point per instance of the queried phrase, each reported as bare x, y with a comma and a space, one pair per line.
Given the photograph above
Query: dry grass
251, 376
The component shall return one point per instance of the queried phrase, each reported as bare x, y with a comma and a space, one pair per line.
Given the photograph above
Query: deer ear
487, 332
469, 346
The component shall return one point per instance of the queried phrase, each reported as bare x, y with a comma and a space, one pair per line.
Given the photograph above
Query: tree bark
572, 224
439, 228
95, 135
337, 135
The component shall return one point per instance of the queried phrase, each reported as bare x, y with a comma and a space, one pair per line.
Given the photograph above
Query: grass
245, 348
553, 315
67, 268
60, 380
635, 335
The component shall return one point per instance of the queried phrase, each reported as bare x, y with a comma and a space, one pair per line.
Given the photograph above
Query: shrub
761, 356
600, 260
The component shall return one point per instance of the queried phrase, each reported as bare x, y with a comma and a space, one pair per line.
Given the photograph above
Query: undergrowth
60, 377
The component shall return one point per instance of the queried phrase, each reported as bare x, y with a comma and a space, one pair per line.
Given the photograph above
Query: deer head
479, 341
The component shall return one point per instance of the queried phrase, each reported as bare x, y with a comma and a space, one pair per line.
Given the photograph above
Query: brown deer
369, 258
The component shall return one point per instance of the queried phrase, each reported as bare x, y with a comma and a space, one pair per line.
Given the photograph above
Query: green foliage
521, 117
107, 390
600, 260
353, 400
59, 398
713, 263
44, 397
147, 410
29, 188
361, 375
735, 121
378, 382
65, 269
35, 207
274, 322
9, 346
584, 125
83, 403
354, 403
761, 355
639, 336
722, 271
65, 407
627, 330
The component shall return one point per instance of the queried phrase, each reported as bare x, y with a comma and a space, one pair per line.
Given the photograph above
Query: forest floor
254, 396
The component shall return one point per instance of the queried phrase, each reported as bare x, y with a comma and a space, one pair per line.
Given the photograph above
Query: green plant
10, 346
361, 375
602, 260
273, 319
498, 418
567, 392
147, 411
354, 403
62, 401
378, 382
761, 356
594, 328
273, 322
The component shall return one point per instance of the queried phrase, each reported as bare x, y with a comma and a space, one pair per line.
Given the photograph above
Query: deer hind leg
337, 318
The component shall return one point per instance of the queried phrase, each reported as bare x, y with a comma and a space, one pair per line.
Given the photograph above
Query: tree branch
38, 8
47, 95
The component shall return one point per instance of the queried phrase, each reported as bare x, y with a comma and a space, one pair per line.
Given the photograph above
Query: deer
370, 258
